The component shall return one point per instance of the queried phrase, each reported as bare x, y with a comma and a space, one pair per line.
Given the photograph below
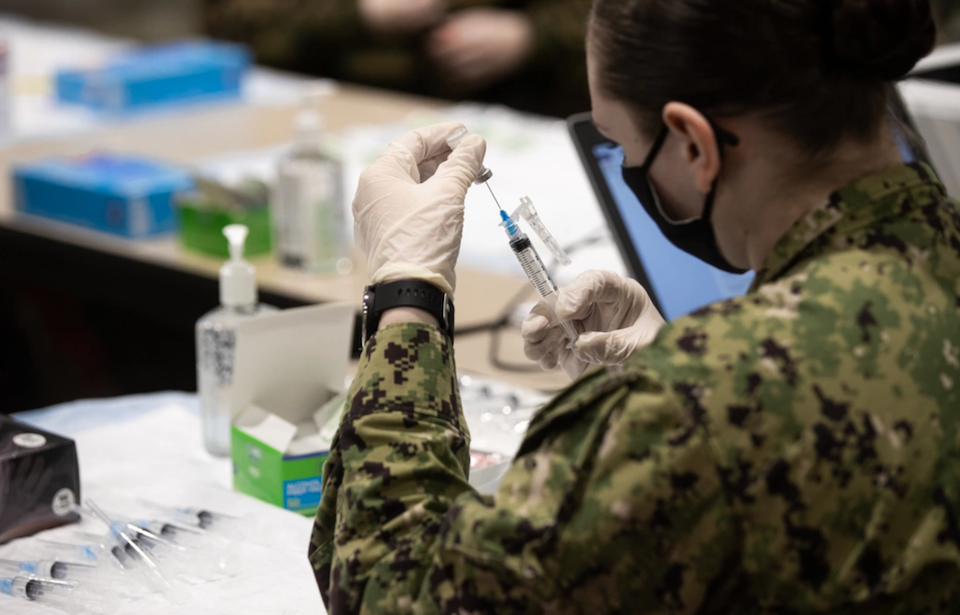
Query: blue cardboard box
119, 194
158, 76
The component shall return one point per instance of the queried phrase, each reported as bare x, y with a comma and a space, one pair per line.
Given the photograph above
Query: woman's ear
697, 141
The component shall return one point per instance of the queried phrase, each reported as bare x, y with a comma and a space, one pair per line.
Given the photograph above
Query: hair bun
882, 38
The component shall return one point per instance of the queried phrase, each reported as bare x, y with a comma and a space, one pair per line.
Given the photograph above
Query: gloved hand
476, 47
614, 315
408, 211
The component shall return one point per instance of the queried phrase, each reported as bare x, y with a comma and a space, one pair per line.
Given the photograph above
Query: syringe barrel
566, 325
540, 278
74, 573
533, 266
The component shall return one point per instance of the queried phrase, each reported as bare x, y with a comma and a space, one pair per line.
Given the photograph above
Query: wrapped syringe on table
64, 595
90, 573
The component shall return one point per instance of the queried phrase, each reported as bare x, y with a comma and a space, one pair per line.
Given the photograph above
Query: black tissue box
39, 480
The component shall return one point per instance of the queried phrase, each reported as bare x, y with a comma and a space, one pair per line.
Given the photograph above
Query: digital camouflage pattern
328, 38
796, 450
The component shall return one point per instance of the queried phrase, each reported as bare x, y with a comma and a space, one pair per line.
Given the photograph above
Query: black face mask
694, 236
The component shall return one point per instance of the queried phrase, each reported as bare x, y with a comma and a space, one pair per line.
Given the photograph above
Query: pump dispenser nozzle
238, 286
309, 124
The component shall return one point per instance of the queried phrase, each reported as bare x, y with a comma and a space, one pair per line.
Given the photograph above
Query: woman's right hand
615, 316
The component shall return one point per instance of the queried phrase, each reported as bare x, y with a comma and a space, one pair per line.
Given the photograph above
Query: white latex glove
401, 17
614, 315
476, 47
408, 211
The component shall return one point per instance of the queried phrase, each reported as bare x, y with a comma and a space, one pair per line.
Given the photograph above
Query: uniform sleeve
613, 493
290, 34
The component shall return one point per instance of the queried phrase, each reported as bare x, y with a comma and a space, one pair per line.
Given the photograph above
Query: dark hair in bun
820, 70
882, 38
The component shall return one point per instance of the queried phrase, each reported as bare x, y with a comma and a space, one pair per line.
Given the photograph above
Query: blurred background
480, 48
140, 19
86, 314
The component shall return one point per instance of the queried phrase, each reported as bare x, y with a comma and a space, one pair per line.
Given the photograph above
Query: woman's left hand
477, 47
408, 211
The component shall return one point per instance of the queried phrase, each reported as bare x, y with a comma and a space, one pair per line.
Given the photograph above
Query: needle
493, 195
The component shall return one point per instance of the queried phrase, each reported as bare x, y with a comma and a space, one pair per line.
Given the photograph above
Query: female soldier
791, 451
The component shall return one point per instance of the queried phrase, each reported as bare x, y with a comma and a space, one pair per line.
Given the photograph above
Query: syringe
228, 526
61, 595
520, 243
55, 569
152, 571
530, 260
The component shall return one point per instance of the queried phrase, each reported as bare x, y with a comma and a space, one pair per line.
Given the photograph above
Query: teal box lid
184, 72
114, 174
125, 195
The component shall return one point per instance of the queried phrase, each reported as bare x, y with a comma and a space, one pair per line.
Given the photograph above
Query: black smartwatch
405, 293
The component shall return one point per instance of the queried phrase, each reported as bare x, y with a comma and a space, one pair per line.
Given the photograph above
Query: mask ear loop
723, 137
645, 167
657, 146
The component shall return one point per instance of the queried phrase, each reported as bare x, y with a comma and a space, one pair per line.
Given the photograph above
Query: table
148, 446
157, 438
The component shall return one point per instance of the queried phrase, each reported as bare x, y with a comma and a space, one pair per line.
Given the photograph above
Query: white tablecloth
149, 447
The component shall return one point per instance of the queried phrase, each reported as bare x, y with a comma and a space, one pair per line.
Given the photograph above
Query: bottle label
217, 348
536, 272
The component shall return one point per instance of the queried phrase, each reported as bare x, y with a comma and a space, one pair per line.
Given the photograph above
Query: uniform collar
863, 203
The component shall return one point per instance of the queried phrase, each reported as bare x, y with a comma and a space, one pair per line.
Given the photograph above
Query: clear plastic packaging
139, 556
85, 574
201, 562
221, 524
529, 213
69, 597
115, 567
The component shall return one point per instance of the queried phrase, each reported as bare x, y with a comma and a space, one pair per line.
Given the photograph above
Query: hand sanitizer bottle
217, 341
309, 217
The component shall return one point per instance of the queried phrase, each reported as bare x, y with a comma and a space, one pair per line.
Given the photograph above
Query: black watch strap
406, 293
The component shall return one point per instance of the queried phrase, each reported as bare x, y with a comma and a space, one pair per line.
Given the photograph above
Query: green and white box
288, 381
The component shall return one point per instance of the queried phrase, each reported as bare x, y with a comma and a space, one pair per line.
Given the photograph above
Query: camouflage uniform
796, 450
328, 38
